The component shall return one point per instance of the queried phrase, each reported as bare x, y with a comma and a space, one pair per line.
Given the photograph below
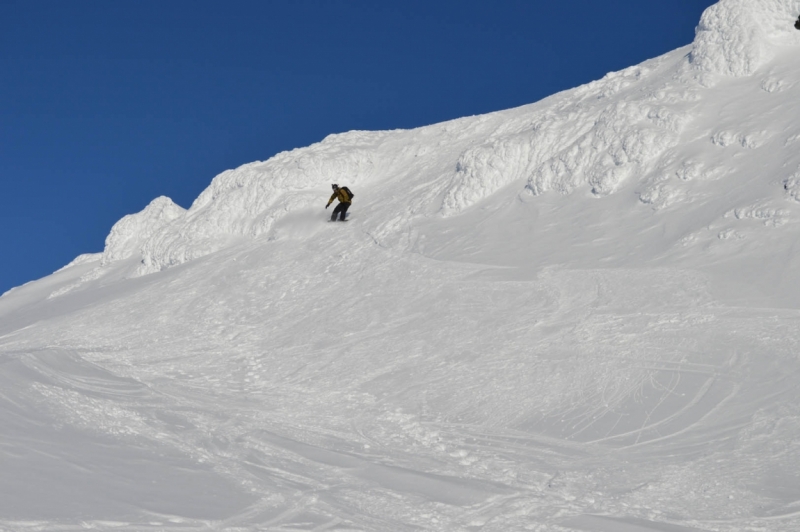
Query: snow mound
343, 155
596, 136
129, 234
736, 37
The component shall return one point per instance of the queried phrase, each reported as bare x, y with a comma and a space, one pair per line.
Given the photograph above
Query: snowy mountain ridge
633, 126
577, 315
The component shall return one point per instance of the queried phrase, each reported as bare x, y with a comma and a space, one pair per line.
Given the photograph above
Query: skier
345, 197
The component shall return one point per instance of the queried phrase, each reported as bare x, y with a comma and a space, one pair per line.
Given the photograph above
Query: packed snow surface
581, 314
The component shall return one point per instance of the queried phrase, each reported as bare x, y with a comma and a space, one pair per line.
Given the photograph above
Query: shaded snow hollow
581, 314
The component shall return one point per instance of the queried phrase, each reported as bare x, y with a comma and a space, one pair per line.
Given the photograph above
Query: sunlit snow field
581, 314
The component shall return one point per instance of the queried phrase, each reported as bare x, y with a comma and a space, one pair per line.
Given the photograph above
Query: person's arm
333, 196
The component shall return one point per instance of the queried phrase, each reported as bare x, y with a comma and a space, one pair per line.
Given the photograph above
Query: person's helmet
334, 186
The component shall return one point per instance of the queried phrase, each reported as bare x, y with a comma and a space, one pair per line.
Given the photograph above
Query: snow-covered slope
580, 314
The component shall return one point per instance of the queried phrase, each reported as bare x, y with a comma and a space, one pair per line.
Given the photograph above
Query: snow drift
737, 37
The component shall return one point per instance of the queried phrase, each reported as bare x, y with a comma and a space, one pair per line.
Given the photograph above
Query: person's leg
335, 212
344, 207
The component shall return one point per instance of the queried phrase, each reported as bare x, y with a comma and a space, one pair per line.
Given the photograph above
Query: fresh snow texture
581, 314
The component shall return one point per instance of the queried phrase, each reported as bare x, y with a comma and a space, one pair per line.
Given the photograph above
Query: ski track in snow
577, 315
436, 395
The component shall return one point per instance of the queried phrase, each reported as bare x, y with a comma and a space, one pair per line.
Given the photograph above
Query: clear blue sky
105, 105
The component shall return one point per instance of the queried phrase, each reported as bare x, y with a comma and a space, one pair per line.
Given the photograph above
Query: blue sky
105, 105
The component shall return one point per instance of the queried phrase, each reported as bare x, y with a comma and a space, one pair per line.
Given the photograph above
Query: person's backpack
350, 194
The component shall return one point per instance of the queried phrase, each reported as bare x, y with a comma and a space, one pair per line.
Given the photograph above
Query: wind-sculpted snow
129, 234
246, 202
736, 37
633, 127
597, 136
